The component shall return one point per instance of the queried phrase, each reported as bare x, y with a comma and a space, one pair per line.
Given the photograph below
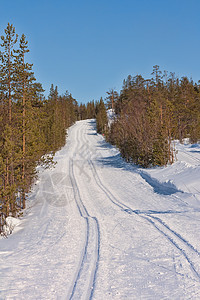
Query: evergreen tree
91, 110
101, 117
24, 78
82, 112
7, 84
7, 70
111, 99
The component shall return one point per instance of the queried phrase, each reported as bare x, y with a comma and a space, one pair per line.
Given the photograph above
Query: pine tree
91, 112
7, 85
101, 117
111, 99
82, 112
24, 78
7, 67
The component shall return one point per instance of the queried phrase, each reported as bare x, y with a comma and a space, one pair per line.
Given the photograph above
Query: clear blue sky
88, 47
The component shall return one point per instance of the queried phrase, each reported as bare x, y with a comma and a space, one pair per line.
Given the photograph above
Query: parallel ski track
196, 159
185, 248
83, 287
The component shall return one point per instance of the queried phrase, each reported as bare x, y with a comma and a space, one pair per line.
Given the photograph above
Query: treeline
95, 110
151, 113
32, 128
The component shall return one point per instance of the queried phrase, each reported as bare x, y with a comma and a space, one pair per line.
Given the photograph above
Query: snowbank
183, 175
12, 225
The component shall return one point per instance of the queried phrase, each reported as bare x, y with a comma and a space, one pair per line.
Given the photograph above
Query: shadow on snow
116, 161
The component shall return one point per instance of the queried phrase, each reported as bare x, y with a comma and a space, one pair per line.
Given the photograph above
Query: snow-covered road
99, 228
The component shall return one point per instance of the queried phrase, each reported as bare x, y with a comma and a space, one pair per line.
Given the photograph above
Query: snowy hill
99, 228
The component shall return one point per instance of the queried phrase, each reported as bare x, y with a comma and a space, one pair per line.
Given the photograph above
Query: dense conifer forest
32, 128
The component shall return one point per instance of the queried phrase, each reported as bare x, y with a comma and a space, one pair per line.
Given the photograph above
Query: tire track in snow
85, 277
184, 247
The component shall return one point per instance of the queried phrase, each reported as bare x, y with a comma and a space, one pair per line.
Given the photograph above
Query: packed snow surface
99, 228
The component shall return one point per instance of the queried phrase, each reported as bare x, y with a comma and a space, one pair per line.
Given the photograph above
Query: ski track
185, 248
82, 163
83, 287
187, 153
177, 241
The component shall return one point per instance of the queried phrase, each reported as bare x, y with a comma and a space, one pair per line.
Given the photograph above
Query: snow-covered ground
99, 228
110, 116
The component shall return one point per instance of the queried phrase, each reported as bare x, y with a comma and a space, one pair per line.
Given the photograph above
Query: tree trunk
23, 142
